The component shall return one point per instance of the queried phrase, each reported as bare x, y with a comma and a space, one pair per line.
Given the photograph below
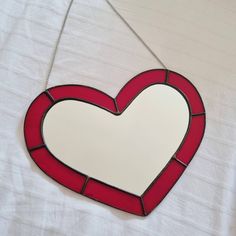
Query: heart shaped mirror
126, 152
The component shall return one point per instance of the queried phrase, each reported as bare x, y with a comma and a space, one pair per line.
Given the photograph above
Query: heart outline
96, 189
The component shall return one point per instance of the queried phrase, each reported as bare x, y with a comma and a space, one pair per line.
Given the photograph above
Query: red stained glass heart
99, 190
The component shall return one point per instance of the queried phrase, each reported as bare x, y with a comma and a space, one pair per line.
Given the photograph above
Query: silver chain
136, 34
120, 16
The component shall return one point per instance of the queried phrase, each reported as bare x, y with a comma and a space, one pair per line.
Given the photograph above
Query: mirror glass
126, 151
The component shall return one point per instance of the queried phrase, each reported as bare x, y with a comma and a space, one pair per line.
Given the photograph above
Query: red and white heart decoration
97, 189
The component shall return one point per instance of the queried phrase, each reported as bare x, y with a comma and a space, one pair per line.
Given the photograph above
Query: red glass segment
57, 170
162, 185
33, 118
192, 140
114, 197
188, 89
137, 85
83, 93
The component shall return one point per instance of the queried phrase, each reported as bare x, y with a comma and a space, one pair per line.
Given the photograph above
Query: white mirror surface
126, 151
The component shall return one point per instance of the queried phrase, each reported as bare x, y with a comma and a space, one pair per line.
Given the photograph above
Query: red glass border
98, 190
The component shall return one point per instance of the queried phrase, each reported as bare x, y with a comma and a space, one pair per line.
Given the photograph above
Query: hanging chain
121, 17
136, 34
57, 43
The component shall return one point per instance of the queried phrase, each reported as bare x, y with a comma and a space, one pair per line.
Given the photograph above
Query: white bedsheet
195, 38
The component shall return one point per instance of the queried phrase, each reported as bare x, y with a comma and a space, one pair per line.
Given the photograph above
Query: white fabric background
195, 38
